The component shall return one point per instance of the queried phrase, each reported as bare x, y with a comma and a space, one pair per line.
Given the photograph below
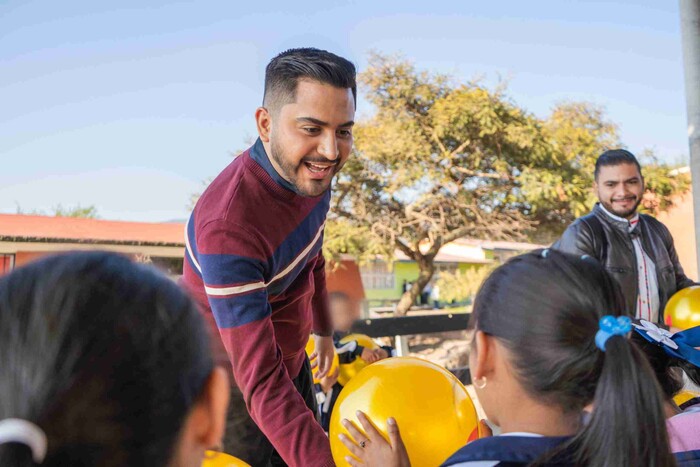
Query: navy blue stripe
191, 236
300, 237
191, 263
220, 269
283, 283
231, 312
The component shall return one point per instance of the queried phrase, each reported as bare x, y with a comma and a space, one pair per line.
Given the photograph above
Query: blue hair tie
611, 326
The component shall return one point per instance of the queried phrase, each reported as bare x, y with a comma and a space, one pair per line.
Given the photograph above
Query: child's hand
381, 353
372, 449
485, 429
368, 355
329, 381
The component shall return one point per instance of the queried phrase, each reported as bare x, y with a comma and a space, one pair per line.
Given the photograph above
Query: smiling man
635, 248
254, 259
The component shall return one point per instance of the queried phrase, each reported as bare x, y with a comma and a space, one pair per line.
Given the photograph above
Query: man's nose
328, 147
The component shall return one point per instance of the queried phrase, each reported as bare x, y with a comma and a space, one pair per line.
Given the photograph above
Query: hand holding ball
432, 408
311, 348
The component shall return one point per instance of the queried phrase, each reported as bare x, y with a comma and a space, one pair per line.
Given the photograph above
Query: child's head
110, 360
344, 311
536, 319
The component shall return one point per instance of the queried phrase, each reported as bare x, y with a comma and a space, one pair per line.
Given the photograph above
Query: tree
462, 285
440, 160
88, 212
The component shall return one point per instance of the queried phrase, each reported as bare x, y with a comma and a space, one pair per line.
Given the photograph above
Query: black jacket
598, 235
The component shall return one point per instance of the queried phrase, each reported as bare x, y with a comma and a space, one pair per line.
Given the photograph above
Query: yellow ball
220, 459
349, 370
432, 408
683, 309
684, 396
311, 347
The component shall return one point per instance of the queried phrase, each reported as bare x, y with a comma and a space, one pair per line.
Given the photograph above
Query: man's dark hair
285, 70
615, 157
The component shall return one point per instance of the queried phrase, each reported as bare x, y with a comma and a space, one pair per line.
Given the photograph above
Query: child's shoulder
506, 450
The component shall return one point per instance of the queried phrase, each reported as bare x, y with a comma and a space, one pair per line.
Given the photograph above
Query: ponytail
546, 307
628, 425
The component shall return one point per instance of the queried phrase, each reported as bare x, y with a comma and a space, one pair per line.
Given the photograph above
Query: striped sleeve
321, 315
233, 270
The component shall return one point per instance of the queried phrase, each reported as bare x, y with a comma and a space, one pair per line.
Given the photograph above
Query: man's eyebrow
318, 122
633, 179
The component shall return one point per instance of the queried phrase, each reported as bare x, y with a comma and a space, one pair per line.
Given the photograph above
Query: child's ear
205, 425
485, 355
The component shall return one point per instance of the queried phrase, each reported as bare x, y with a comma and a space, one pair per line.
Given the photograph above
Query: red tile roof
20, 227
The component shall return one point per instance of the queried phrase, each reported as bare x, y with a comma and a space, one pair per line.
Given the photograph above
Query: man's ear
263, 121
485, 355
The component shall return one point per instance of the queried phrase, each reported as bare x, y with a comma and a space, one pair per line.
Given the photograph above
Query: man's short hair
285, 70
615, 157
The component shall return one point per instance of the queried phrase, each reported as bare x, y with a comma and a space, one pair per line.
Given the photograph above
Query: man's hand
329, 381
381, 353
323, 354
368, 355
372, 449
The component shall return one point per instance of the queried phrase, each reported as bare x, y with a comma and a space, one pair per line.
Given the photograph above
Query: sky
131, 105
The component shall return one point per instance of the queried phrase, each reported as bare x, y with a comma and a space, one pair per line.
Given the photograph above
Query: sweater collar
259, 155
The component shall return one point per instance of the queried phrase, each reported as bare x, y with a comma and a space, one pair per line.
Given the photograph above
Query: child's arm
348, 352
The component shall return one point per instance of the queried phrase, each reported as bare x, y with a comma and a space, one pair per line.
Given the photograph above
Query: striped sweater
254, 264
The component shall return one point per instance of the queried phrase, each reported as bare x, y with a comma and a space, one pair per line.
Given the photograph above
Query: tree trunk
426, 267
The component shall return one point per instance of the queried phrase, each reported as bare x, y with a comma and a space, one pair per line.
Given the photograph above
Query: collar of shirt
631, 223
259, 155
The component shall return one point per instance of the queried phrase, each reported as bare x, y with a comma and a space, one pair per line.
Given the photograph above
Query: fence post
401, 346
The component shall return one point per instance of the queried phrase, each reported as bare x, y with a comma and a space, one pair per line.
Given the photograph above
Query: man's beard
289, 170
624, 214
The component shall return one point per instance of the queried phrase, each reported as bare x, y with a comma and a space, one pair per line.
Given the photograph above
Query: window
449, 268
377, 275
7, 262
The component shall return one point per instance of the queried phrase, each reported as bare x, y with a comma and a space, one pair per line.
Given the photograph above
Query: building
382, 282
24, 238
679, 220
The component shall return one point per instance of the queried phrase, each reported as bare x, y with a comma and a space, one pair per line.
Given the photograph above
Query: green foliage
343, 238
89, 212
462, 285
440, 160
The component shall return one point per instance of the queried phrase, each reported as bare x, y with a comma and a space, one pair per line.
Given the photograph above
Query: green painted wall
407, 270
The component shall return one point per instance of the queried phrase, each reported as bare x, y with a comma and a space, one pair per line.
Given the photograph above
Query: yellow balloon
349, 370
683, 308
311, 347
432, 408
685, 396
220, 459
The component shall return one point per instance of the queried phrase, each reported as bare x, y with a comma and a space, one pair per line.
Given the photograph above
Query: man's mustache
319, 160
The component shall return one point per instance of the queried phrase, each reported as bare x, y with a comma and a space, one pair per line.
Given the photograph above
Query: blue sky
129, 107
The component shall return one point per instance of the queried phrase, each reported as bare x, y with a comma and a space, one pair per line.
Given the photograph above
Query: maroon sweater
254, 263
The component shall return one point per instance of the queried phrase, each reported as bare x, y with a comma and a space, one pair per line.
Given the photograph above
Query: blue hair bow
611, 326
681, 345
